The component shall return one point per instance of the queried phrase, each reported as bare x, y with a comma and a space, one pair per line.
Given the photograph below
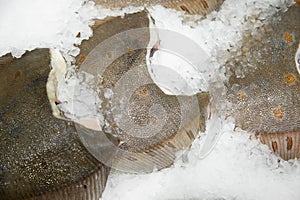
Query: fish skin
40, 154
264, 87
127, 76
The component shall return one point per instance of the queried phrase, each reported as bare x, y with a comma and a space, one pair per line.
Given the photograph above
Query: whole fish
264, 87
150, 126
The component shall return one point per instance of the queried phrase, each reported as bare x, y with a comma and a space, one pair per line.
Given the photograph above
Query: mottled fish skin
41, 156
264, 87
180, 128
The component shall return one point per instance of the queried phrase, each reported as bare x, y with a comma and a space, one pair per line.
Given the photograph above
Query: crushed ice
237, 168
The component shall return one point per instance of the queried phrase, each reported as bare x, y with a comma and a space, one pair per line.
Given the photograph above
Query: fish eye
298, 61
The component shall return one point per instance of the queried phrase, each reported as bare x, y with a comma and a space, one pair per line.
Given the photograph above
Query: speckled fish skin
179, 131
265, 86
199, 7
41, 156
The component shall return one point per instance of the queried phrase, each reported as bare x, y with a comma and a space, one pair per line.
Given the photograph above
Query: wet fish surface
41, 156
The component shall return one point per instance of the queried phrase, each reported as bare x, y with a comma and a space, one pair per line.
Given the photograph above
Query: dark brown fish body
266, 100
41, 156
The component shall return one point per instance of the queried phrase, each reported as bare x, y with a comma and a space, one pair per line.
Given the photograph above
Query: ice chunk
175, 63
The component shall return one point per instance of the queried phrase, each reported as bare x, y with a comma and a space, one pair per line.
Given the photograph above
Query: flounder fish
264, 87
41, 156
150, 126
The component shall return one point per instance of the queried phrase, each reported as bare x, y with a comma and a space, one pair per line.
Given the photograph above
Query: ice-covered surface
26, 25
237, 168
181, 58
61, 24
222, 31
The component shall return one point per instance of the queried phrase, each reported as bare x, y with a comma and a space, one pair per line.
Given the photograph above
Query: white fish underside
297, 59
